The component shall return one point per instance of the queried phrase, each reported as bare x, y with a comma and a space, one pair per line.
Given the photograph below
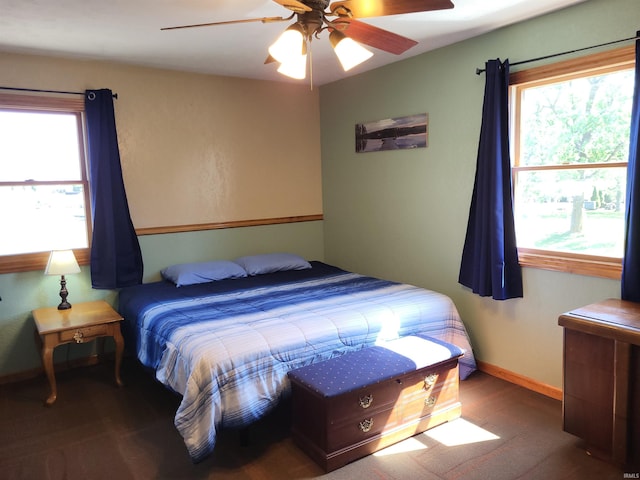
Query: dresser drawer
85, 334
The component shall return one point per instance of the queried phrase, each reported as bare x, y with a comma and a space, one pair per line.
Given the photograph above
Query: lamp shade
295, 67
289, 45
62, 262
349, 52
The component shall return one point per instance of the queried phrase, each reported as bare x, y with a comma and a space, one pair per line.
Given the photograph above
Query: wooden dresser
601, 384
353, 405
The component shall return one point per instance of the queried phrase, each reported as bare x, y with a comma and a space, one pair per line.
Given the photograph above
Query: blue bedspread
227, 346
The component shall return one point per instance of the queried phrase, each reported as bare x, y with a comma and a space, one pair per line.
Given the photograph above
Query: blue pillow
272, 262
202, 272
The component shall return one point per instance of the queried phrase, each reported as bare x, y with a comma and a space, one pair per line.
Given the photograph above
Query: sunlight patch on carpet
459, 432
409, 445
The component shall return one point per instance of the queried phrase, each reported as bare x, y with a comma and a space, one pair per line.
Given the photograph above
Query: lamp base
64, 305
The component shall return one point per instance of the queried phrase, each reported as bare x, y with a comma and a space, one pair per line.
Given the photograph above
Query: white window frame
41, 103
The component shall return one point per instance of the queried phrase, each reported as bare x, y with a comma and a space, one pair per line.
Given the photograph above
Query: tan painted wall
198, 148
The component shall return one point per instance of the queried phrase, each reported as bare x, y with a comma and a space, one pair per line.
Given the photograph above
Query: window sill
36, 261
604, 267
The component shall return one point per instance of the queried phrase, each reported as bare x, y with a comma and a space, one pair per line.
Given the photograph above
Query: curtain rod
115, 95
481, 70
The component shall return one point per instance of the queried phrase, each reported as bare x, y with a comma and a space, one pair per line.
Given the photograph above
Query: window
571, 125
44, 193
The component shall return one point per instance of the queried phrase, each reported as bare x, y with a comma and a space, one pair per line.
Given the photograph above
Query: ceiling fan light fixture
295, 67
289, 45
349, 52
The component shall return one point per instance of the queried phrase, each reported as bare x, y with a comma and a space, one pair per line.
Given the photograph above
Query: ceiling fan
346, 34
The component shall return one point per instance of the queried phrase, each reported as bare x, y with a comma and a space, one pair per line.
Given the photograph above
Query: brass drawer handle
430, 401
430, 380
366, 425
366, 401
80, 335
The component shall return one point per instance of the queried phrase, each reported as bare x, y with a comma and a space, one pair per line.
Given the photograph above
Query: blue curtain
489, 264
631, 261
116, 259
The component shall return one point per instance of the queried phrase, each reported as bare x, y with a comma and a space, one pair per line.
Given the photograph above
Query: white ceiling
129, 31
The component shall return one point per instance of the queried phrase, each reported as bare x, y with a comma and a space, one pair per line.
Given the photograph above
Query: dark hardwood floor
98, 431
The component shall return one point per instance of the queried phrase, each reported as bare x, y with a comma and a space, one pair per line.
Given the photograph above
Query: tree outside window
571, 145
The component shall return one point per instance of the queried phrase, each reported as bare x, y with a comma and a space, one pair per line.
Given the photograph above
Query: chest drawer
358, 429
85, 334
365, 413
364, 401
424, 392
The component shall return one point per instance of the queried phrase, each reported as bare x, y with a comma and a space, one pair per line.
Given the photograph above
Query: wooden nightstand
81, 323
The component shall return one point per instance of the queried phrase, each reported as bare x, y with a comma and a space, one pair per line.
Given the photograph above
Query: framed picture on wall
392, 134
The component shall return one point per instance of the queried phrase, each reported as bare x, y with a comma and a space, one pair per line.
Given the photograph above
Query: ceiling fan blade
381, 8
373, 36
294, 5
229, 22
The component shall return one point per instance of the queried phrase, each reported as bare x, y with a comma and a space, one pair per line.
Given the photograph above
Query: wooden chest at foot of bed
353, 405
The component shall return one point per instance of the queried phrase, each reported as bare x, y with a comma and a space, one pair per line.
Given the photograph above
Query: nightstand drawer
85, 334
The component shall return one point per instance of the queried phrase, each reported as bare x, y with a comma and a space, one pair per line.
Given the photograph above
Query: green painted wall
305, 239
403, 214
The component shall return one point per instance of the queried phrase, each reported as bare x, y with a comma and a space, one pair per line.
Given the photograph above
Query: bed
226, 345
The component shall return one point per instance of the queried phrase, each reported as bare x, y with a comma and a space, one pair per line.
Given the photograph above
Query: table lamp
62, 262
